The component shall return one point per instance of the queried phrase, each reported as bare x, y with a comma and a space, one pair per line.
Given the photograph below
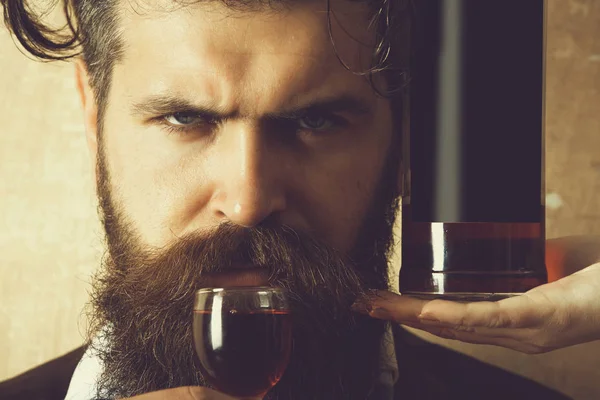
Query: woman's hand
559, 314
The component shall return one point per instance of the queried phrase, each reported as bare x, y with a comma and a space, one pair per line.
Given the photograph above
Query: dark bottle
473, 205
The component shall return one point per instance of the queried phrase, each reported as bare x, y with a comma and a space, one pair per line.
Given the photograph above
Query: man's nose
248, 178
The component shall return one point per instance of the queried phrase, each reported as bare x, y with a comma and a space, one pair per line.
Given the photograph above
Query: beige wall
50, 240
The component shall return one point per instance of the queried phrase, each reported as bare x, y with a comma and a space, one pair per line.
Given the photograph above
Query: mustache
231, 246
295, 260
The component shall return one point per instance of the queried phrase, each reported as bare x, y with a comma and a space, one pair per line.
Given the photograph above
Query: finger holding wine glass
243, 338
183, 393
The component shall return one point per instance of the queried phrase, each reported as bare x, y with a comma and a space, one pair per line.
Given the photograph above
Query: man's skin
315, 174
241, 169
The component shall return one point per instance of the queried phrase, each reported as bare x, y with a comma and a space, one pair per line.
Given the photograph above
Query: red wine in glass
242, 338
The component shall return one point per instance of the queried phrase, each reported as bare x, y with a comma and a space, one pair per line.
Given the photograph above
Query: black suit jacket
427, 371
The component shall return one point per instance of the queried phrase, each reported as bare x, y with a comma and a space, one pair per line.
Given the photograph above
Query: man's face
236, 139
315, 173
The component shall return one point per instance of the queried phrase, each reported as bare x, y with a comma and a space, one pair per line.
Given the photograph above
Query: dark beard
146, 298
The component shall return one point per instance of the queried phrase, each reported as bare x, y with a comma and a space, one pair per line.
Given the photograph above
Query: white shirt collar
86, 375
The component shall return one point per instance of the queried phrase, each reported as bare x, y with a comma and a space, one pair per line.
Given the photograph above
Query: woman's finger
514, 312
398, 308
486, 334
477, 338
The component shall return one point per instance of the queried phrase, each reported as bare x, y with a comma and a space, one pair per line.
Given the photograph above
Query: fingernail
378, 312
361, 307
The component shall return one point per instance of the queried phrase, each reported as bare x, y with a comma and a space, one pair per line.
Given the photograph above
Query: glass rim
271, 289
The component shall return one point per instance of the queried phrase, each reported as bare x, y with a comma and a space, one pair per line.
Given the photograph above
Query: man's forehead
204, 22
207, 48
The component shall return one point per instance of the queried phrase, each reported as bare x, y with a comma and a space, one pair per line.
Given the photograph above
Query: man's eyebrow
345, 103
159, 105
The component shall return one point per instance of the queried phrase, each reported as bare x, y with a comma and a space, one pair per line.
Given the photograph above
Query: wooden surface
50, 241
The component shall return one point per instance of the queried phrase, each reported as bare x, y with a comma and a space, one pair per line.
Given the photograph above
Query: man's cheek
147, 211
343, 220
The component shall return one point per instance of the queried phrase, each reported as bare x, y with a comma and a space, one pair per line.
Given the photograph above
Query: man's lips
235, 277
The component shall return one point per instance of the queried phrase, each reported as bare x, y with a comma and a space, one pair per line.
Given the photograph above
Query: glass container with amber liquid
473, 202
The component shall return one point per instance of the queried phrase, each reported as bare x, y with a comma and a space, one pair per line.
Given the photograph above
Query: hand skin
183, 393
562, 313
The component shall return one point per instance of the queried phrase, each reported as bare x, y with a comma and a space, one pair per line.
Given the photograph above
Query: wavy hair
92, 32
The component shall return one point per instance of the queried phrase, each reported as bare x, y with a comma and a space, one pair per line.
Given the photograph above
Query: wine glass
243, 338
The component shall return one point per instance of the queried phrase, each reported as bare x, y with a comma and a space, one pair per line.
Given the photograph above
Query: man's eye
316, 122
184, 123
183, 119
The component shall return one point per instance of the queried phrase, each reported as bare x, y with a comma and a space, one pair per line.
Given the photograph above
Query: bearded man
244, 143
